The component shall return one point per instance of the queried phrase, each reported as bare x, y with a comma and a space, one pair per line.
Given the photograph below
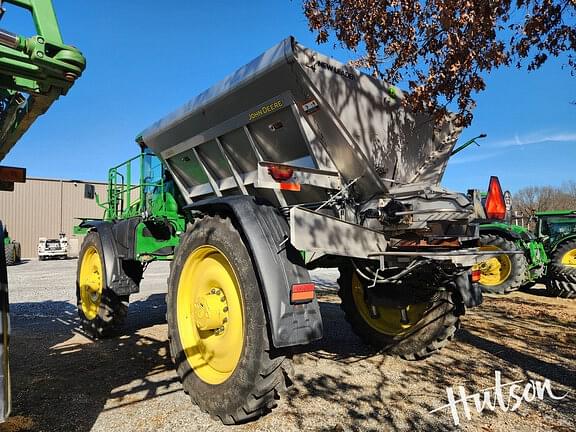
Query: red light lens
476, 274
280, 173
302, 293
495, 205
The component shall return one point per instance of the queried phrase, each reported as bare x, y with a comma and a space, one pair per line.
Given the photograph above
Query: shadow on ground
375, 392
62, 380
65, 382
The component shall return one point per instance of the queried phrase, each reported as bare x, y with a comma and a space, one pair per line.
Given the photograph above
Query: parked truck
53, 247
293, 162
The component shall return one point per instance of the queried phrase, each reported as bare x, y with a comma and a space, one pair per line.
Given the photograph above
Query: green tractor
503, 273
12, 250
142, 205
549, 254
557, 232
506, 273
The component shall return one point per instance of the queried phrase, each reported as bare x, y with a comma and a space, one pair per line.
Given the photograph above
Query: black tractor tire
433, 332
112, 310
518, 262
261, 374
559, 271
10, 251
527, 286
560, 288
18, 251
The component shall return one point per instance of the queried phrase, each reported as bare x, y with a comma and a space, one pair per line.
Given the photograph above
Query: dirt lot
62, 381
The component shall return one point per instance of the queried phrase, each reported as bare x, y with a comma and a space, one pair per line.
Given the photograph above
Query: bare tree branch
444, 48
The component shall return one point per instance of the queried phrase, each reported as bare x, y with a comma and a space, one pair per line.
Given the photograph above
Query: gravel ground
63, 381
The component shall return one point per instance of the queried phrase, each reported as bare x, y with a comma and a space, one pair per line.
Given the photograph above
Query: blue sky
146, 59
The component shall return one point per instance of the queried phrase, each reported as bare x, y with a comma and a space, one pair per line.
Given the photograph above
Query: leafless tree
543, 198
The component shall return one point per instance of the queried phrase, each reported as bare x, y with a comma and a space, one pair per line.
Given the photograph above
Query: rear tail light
280, 173
476, 274
302, 293
495, 204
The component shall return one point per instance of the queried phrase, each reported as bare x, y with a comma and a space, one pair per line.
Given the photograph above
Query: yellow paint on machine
210, 315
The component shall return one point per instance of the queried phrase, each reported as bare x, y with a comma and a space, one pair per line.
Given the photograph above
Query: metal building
46, 207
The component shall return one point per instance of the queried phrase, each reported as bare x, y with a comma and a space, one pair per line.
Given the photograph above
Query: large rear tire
428, 325
504, 273
10, 251
101, 311
560, 288
217, 325
563, 262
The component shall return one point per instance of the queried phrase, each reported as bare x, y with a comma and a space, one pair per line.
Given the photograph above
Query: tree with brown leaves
444, 48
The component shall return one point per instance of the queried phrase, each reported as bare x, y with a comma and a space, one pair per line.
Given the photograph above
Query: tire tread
273, 376
519, 263
443, 337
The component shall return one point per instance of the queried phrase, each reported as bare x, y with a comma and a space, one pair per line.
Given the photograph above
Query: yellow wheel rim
210, 315
389, 321
494, 271
569, 258
91, 282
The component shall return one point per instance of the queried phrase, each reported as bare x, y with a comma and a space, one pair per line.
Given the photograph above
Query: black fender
117, 241
278, 266
469, 293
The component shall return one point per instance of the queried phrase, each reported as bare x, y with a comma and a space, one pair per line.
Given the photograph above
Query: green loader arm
34, 71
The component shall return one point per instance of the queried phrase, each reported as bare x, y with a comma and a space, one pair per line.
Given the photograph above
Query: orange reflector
302, 293
476, 274
294, 187
495, 205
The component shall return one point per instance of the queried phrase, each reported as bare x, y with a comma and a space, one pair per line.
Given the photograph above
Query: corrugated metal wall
44, 208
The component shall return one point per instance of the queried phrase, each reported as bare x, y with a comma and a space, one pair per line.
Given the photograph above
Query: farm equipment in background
287, 165
548, 255
507, 273
557, 232
12, 249
53, 248
34, 72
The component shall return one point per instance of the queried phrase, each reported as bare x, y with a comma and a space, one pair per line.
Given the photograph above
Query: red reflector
476, 274
280, 173
302, 293
495, 205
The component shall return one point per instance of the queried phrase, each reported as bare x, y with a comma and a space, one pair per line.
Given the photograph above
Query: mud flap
117, 240
5, 394
469, 292
278, 265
